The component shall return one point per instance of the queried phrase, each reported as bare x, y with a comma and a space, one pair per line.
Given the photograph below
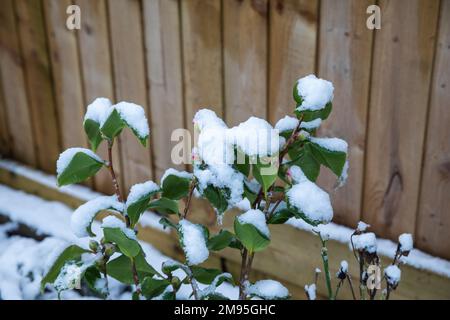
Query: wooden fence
241, 58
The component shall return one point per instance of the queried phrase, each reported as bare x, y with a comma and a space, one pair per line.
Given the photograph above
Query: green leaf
170, 266
136, 208
309, 115
204, 275
92, 129
265, 172
153, 287
113, 126
164, 205
251, 238
127, 246
307, 162
242, 162
249, 194
120, 268
71, 253
335, 160
175, 187
281, 216
217, 197
81, 167
221, 240
91, 275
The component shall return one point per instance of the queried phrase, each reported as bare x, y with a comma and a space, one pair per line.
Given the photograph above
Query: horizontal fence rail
241, 58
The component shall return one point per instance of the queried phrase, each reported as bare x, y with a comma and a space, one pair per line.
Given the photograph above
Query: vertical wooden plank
31, 26
245, 59
14, 87
5, 143
125, 23
293, 38
95, 59
202, 57
66, 74
433, 224
164, 72
403, 57
345, 59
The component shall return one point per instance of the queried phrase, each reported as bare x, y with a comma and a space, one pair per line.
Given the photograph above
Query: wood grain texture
14, 88
245, 59
202, 57
125, 23
164, 73
5, 147
66, 74
403, 58
293, 39
33, 40
345, 59
95, 60
433, 220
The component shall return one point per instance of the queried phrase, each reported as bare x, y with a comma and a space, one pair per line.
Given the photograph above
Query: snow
289, 123
24, 261
97, 110
365, 242
141, 190
331, 144
194, 242
315, 93
393, 275
309, 125
244, 205
222, 176
69, 277
257, 219
85, 214
134, 116
215, 147
311, 291
406, 242
268, 289
343, 266
114, 222
297, 175
344, 175
362, 226
255, 137
66, 157
207, 118
171, 171
311, 200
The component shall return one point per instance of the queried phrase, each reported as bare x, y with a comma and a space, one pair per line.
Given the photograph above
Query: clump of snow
98, 109
257, 219
362, 226
114, 222
406, 242
215, 147
311, 200
194, 242
287, 123
268, 289
310, 125
343, 270
331, 144
134, 116
69, 277
171, 171
393, 275
141, 190
66, 157
315, 93
85, 214
311, 291
207, 118
296, 173
317, 270
344, 175
222, 176
244, 205
255, 137
365, 242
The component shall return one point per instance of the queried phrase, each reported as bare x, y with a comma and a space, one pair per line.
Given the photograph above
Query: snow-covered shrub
265, 173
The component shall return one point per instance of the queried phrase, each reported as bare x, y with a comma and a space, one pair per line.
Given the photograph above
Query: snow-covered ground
24, 260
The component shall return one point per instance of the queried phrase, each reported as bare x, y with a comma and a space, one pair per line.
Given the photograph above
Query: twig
127, 219
326, 269
244, 254
337, 288
188, 203
351, 286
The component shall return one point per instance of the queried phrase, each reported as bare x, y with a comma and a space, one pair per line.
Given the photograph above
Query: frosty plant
264, 174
